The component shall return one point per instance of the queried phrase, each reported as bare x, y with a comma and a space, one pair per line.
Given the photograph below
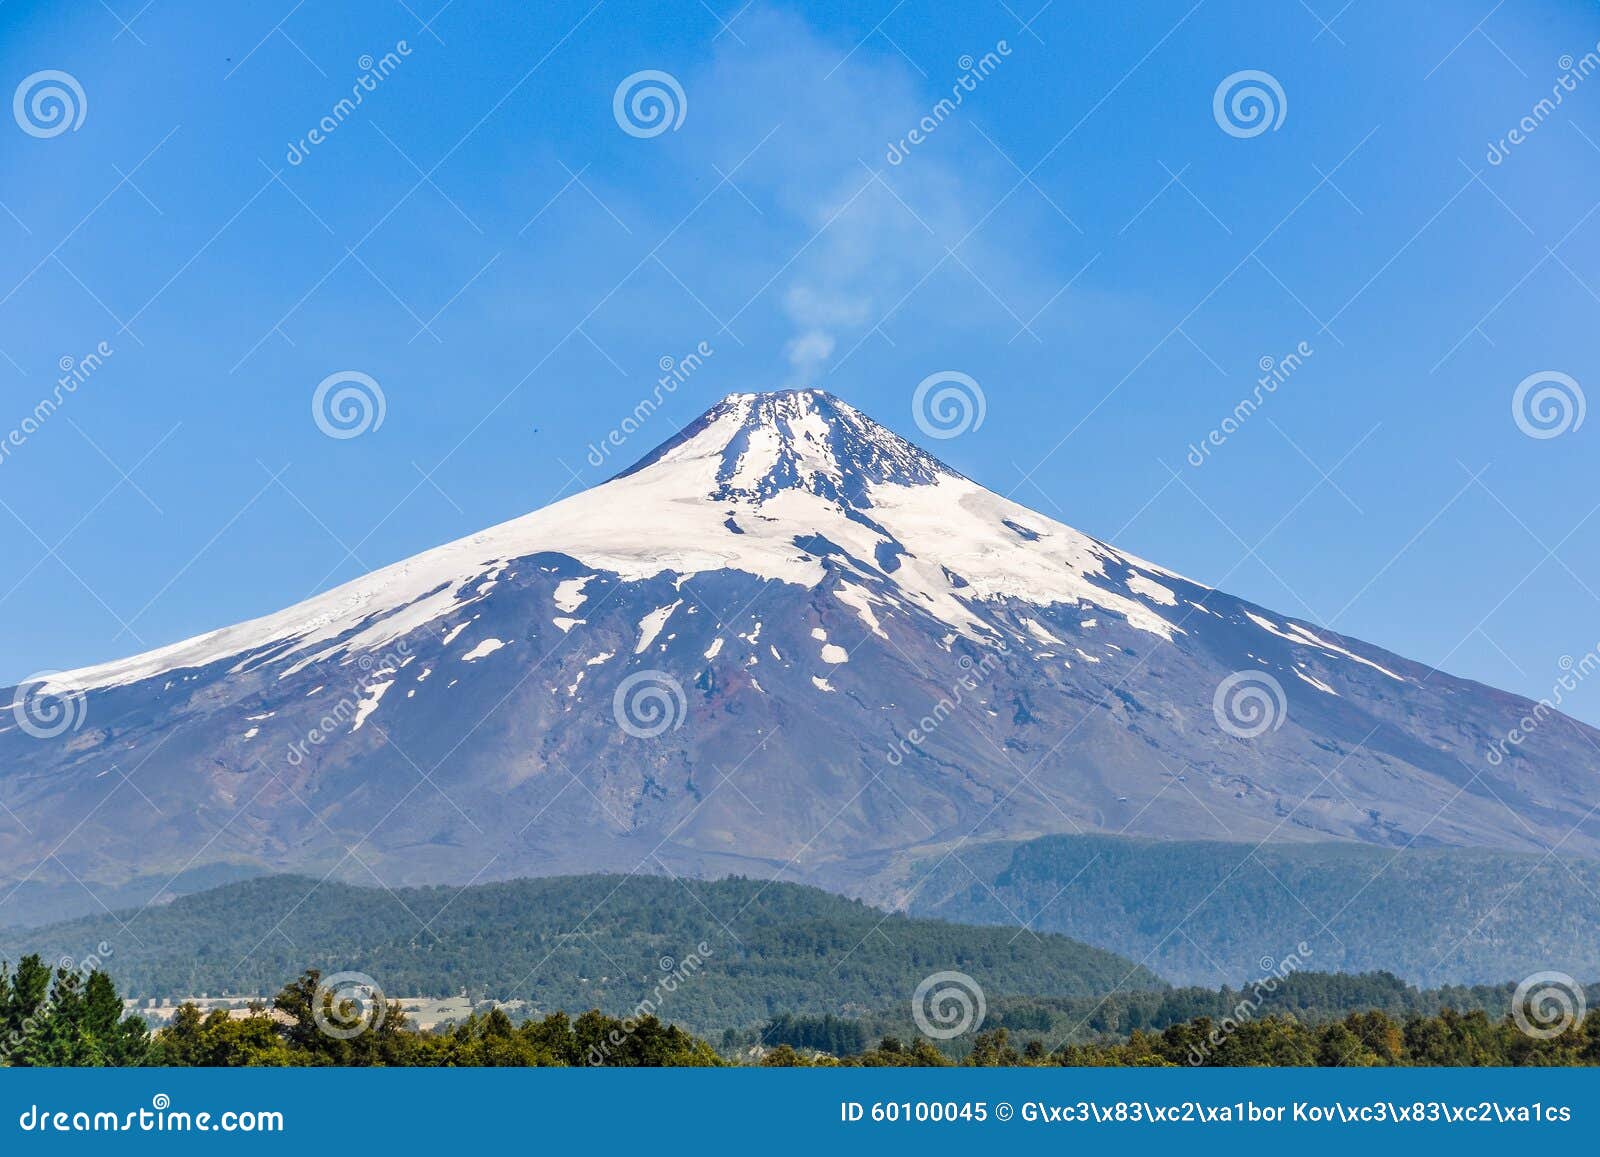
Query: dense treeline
72, 1018
1312, 998
65, 1018
289, 1034
75, 1019
1360, 1040
769, 948
1436, 913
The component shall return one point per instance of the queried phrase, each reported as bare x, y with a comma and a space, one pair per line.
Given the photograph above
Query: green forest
66, 1018
1439, 915
578, 942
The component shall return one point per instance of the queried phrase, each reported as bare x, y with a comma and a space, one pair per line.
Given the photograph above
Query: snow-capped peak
794, 486
807, 439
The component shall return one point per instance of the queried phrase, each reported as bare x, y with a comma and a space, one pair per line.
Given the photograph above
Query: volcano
788, 643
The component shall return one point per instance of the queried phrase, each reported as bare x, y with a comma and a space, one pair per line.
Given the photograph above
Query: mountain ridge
790, 643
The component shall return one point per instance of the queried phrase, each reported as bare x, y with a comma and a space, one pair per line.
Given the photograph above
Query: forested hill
574, 943
1434, 916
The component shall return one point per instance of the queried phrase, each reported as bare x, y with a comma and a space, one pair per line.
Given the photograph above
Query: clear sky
1082, 235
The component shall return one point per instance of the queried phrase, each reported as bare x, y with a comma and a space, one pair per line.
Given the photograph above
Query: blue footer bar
798, 1111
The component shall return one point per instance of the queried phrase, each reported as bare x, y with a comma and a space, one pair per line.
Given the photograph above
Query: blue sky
1081, 236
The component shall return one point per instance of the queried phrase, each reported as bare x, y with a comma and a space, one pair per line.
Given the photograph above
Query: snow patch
369, 703
1315, 682
569, 595
1295, 633
487, 647
650, 626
